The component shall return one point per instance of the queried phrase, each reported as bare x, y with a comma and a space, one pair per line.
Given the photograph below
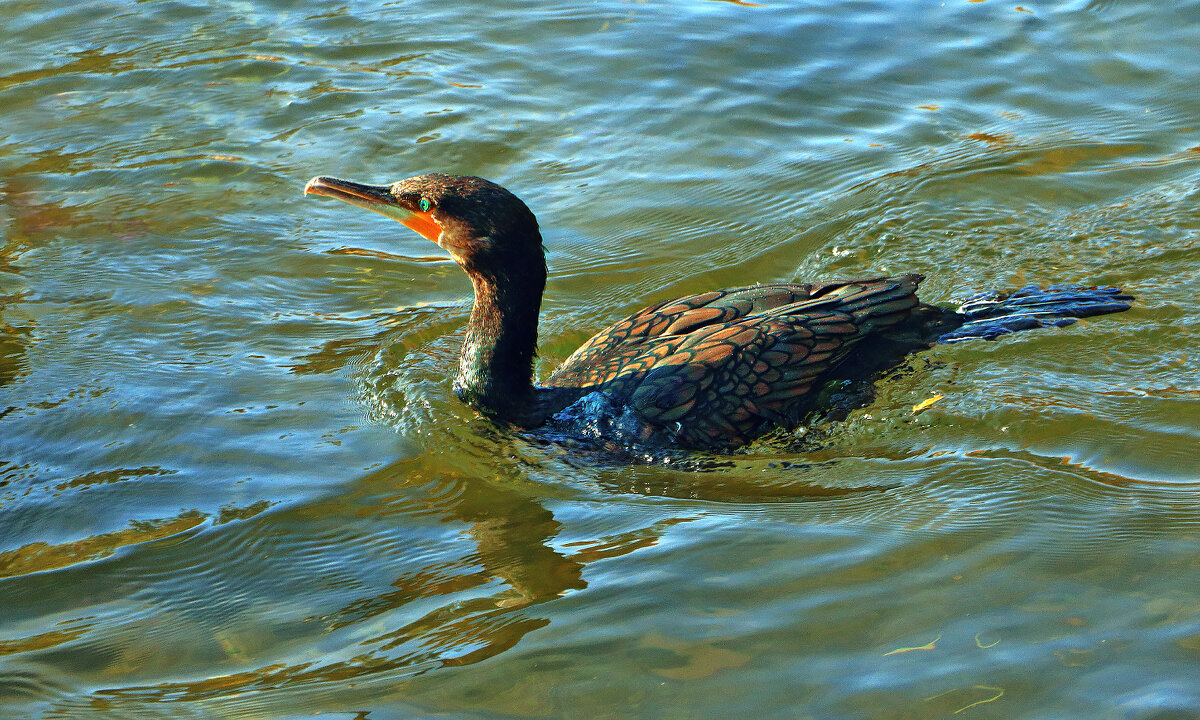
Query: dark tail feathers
989, 315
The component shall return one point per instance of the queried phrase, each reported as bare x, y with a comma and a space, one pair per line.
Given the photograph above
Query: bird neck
495, 371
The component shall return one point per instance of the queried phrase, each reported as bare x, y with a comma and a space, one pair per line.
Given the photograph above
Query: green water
235, 483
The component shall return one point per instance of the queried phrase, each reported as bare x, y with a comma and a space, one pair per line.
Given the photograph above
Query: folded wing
714, 368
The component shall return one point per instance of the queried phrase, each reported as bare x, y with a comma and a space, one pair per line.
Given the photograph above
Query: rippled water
234, 482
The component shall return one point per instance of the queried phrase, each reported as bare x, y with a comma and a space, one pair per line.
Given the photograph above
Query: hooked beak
377, 198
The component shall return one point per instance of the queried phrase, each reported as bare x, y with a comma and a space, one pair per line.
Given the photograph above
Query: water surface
234, 482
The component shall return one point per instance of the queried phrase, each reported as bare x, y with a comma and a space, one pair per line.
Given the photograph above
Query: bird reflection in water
512, 534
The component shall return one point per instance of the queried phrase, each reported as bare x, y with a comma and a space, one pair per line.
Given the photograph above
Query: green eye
424, 205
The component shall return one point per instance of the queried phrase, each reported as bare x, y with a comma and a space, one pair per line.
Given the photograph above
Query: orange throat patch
423, 224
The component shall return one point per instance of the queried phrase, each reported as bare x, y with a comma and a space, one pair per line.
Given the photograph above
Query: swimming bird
707, 371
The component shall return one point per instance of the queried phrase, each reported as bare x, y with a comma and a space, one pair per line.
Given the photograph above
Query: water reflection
472, 557
40, 557
26, 216
511, 532
14, 342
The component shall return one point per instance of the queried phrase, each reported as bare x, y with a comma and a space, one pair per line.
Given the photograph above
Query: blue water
235, 483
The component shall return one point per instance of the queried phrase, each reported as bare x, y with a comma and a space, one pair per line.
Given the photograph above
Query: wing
718, 368
608, 352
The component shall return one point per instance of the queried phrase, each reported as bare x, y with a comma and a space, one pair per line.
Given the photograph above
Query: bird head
478, 222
